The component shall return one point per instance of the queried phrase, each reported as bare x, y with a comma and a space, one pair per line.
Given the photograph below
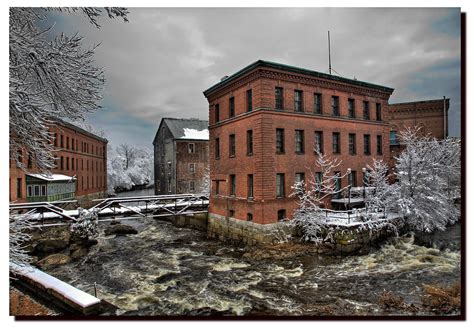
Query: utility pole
329, 46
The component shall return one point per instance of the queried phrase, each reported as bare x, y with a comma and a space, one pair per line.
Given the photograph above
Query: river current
165, 270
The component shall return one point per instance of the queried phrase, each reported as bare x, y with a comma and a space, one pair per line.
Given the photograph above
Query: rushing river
165, 270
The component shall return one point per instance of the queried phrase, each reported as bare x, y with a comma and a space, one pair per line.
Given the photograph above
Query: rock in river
51, 245
53, 260
120, 229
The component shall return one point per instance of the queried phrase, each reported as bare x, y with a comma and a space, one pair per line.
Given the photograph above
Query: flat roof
294, 69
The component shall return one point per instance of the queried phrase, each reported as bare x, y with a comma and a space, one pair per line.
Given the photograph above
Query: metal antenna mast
329, 46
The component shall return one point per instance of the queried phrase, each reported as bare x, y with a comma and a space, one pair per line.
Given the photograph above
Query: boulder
47, 246
86, 243
120, 229
114, 222
53, 260
79, 253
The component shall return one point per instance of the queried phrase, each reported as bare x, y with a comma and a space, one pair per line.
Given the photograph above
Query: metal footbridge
123, 207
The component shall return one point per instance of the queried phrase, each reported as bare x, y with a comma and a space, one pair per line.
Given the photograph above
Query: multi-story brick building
181, 156
430, 116
264, 122
80, 172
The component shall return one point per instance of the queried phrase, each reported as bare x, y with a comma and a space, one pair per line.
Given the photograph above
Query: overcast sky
158, 64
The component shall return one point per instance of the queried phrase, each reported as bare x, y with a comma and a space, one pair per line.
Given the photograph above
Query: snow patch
195, 134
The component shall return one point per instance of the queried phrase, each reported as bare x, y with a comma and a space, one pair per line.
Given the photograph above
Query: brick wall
83, 156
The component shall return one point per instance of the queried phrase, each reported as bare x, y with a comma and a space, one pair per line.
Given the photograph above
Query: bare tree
49, 79
128, 154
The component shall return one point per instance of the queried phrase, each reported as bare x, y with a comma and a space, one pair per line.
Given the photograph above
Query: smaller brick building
431, 116
79, 154
181, 156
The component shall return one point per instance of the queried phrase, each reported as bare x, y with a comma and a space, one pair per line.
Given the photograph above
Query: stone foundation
242, 232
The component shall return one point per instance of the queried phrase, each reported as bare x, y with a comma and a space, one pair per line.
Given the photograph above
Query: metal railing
359, 215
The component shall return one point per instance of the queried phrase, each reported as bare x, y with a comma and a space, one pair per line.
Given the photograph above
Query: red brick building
80, 155
431, 116
264, 122
181, 156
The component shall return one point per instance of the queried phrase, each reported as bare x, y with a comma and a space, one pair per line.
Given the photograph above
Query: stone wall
234, 230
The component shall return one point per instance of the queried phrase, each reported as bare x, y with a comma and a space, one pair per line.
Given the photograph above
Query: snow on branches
48, 79
428, 175
20, 226
86, 225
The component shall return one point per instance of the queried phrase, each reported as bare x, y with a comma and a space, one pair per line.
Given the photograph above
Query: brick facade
264, 116
79, 153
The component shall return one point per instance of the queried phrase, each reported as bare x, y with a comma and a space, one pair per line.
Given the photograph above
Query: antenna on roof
329, 46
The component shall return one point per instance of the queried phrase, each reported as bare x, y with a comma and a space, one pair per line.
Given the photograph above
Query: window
317, 104
318, 142
29, 191
217, 148
281, 214
19, 157
280, 140
217, 188
216, 113
55, 139
43, 190
335, 105
249, 100
231, 107
191, 186
19, 186
249, 142
378, 111
336, 143
62, 141
67, 163
299, 177
62, 163
352, 144
37, 190
192, 168
298, 101
169, 184
249, 217
393, 138
72, 144
191, 148
299, 141
365, 178
278, 98
67, 143
250, 186
379, 144
232, 145
318, 176
367, 144
352, 178
231, 213
280, 185
351, 108
232, 185
366, 111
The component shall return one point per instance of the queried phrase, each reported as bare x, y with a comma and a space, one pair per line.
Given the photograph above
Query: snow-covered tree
20, 226
309, 217
379, 192
128, 166
49, 79
427, 171
86, 225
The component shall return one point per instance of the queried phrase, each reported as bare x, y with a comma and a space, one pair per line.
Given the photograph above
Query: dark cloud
159, 63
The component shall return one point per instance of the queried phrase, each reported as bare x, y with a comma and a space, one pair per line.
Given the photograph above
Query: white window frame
193, 149
192, 186
192, 168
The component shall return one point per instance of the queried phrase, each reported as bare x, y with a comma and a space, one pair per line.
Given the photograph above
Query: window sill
218, 158
250, 199
299, 153
231, 156
249, 154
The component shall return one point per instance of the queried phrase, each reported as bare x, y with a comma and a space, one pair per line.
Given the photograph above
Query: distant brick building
181, 156
264, 122
431, 116
80, 172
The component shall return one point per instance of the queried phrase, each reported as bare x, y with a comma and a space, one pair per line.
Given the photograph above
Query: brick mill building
181, 156
264, 122
80, 172
430, 116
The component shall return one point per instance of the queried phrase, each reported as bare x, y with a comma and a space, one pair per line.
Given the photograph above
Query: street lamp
350, 185
363, 182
